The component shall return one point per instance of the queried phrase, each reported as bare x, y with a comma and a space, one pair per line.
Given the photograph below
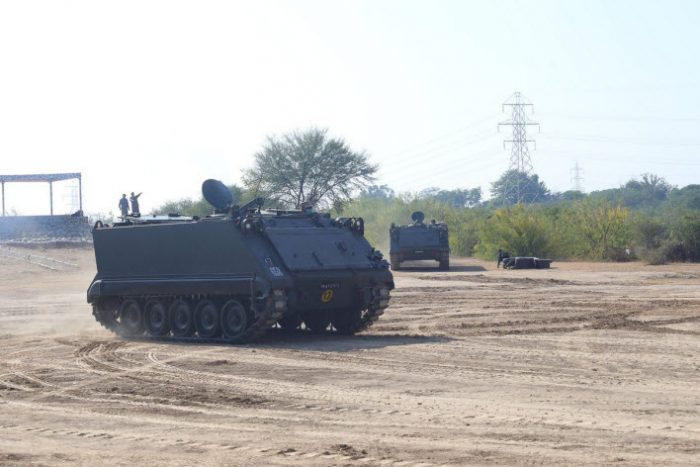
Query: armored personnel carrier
237, 273
419, 241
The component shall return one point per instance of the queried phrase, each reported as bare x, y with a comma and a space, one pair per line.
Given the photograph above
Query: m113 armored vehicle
419, 241
237, 273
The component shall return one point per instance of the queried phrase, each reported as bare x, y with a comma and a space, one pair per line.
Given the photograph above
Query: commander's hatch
304, 246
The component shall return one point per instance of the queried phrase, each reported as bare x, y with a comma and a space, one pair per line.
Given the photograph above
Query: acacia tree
309, 167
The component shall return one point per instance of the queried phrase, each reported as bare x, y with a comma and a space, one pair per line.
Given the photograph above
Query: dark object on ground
526, 262
501, 256
233, 275
419, 241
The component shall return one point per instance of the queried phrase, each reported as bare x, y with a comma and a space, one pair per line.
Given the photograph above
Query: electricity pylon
577, 178
520, 165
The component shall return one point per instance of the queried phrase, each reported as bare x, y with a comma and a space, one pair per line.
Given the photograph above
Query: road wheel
395, 263
181, 318
290, 323
206, 319
234, 320
347, 321
317, 322
445, 265
156, 318
131, 318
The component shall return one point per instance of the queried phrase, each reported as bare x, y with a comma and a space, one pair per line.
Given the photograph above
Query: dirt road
584, 364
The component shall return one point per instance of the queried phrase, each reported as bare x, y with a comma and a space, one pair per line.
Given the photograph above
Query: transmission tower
577, 178
520, 163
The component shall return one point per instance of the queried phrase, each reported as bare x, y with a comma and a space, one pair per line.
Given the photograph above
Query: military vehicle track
268, 317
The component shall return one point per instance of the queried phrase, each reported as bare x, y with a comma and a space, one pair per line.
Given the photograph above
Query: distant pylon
520, 160
577, 178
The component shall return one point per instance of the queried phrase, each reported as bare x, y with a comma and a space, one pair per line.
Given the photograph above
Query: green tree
459, 198
514, 187
650, 237
198, 207
687, 232
600, 228
649, 232
646, 193
569, 195
520, 230
309, 166
686, 197
378, 191
650, 190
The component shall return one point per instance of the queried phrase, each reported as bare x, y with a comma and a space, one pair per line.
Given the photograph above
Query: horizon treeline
646, 218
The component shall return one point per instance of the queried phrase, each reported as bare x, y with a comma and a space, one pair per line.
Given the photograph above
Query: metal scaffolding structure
43, 178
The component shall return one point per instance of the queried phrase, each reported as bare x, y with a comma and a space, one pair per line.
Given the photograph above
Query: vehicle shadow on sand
455, 268
329, 342
326, 342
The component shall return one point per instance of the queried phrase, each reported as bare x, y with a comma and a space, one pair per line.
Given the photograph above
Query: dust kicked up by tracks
581, 364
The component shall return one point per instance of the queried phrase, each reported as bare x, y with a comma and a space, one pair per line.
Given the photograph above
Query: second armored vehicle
235, 274
419, 241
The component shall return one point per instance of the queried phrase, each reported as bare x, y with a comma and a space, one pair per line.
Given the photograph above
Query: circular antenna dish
217, 194
417, 216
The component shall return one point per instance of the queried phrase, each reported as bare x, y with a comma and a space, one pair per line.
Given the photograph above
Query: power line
619, 140
424, 179
618, 158
416, 162
447, 135
623, 118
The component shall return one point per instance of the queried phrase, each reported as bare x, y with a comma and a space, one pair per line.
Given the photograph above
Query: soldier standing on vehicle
307, 207
135, 204
502, 255
124, 206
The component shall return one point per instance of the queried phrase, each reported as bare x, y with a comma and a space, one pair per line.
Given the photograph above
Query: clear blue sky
157, 96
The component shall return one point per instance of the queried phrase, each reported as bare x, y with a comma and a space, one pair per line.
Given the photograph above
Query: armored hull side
232, 277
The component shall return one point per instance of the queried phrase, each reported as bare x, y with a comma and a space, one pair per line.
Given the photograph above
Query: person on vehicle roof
124, 205
135, 204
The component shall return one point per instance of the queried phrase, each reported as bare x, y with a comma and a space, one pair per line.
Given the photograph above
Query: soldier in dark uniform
135, 204
124, 206
501, 256
307, 208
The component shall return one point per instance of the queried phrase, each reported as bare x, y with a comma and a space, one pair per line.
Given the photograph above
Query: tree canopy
514, 187
309, 167
646, 193
645, 217
459, 198
199, 207
379, 191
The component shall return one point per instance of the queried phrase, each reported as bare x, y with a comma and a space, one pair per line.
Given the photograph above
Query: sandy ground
583, 364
